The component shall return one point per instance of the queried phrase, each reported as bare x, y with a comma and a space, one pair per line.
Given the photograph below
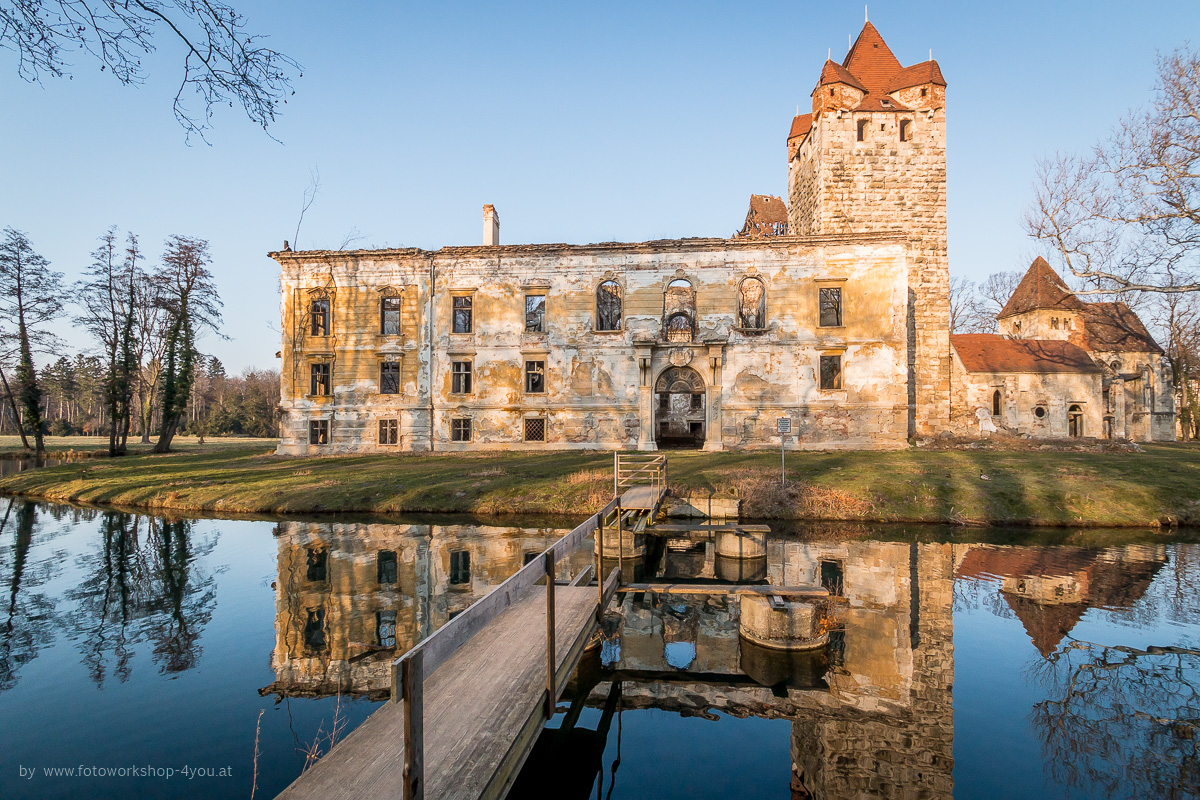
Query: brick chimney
491, 225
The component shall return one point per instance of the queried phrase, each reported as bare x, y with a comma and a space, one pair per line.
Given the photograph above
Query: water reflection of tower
887, 728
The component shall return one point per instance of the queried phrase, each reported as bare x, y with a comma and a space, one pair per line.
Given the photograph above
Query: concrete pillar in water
787, 624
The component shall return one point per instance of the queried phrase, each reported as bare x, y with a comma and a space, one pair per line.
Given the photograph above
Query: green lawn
56, 445
1022, 487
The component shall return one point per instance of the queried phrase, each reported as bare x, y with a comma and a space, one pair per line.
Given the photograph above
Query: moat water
967, 663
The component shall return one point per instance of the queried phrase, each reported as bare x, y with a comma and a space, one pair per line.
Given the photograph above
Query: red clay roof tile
801, 125
1115, 327
871, 61
833, 72
990, 352
1040, 288
917, 74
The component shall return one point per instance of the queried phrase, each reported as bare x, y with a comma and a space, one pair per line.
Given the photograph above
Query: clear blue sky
580, 122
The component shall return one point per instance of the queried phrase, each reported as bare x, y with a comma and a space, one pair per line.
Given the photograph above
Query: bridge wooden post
411, 679
599, 564
551, 660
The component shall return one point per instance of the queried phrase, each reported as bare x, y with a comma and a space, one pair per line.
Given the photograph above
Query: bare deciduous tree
1127, 216
192, 303
30, 295
222, 62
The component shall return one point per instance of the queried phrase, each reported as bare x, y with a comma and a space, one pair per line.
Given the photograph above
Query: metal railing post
551, 660
616, 472
600, 561
412, 679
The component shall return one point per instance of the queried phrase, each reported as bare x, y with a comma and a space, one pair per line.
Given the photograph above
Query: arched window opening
1075, 421
905, 130
862, 129
752, 305
608, 306
996, 400
679, 311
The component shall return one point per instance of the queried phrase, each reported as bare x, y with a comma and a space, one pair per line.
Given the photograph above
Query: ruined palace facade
831, 311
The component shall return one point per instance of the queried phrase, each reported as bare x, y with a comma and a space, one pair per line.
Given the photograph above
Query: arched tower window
679, 311
608, 306
752, 304
996, 403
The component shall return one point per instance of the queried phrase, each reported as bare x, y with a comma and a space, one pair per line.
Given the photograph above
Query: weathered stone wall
1021, 394
600, 385
839, 185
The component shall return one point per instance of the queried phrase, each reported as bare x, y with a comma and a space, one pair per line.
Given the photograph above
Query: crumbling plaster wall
1021, 394
599, 384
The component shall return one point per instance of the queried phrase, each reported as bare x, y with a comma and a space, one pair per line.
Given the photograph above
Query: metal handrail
410, 669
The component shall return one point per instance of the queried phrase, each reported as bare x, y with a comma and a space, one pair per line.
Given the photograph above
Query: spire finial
931, 54
866, 18
829, 55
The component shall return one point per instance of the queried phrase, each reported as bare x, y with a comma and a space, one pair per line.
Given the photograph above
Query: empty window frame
831, 372
386, 567
830, 301
460, 429
318, 431
385, 628
535, 313
319, 316
608, 306
318, 379
862, 130
535, 429
997, 403
460, 567
752, 304
389, 377
464, 309
314, 629
535, 377
833, 577
460, 377
389, 431
315, 561
389, 316
905, 130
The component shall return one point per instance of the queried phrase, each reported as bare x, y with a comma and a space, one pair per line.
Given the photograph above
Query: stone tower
872, 157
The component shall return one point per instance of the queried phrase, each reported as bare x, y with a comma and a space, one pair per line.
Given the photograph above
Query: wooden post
600, 565
414, 750
616, 472
551, 660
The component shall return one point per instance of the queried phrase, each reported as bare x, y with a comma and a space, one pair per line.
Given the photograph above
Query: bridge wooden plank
477, 705
642, 498
726, 588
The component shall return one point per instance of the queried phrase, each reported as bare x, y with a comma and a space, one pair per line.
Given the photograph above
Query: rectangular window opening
389, 377
319, 312
318, 380
315, 560
535, 313
463, 308
862, 129
460, 372
318, 431
832, 577
831, 372
535, 429
830, 301
535, 377
386, 567
460, 567
389, 431
389, 316
460, 430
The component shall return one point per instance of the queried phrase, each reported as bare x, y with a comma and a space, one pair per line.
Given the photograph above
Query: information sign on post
784, 425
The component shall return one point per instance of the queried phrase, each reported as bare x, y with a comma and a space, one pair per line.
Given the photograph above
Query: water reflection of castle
350, 598
871, 713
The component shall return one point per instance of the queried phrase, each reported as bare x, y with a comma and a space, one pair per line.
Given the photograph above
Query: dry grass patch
763, 497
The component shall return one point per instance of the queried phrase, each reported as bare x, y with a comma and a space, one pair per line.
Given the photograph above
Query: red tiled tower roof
836, 73
872, 61
1040, 288
917, 74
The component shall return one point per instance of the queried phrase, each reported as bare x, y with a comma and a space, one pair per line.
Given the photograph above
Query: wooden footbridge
469, 702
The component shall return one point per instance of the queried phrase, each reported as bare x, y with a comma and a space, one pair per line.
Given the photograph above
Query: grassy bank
87, 446
956, 486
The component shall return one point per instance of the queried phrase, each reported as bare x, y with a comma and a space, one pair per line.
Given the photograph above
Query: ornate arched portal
679, 412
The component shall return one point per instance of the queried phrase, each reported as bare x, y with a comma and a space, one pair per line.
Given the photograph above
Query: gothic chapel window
608, 306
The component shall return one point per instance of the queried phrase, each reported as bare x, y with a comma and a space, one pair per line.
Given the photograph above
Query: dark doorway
679, 412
